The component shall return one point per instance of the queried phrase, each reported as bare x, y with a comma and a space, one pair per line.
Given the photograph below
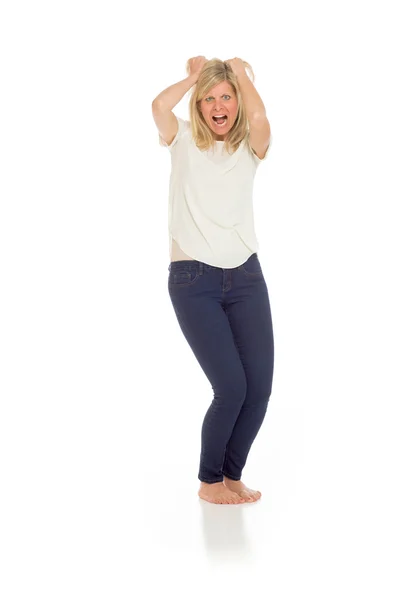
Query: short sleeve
182, 127
260, 160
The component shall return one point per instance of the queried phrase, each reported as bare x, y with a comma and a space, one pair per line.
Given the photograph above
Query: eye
225, 96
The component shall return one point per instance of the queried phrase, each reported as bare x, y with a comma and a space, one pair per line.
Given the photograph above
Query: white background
102, 399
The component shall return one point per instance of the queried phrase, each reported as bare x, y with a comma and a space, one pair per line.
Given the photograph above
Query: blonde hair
216, 71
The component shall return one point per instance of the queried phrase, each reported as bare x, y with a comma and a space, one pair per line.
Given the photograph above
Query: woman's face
220, 100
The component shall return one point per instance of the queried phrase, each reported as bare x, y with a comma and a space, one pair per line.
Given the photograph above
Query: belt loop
201, 268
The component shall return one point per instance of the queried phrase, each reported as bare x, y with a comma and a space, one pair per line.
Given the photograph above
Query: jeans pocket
252, 267
182, 276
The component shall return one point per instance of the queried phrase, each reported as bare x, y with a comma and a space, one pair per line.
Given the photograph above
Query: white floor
104, 505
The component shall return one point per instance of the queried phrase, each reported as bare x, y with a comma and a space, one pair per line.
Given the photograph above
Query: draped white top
210, 210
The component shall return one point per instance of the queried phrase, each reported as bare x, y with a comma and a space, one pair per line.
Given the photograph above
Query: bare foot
218, 493
244, 492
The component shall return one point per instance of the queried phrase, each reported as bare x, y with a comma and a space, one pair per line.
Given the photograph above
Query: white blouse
210, 210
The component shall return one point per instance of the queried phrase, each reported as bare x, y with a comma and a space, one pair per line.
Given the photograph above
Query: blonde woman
216, 284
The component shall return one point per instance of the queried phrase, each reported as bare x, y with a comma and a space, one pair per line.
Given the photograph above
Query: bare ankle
204, 483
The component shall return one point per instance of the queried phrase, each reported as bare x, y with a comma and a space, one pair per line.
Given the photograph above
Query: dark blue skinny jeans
225, 317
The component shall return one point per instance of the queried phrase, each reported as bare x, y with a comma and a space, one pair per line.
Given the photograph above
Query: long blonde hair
216, 71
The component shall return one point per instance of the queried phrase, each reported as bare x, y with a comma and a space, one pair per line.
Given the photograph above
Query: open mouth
220, 120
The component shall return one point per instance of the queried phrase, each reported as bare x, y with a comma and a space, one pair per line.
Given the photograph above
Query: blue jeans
225, 317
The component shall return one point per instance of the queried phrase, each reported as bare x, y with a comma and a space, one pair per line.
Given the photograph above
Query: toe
255, 494
247, 497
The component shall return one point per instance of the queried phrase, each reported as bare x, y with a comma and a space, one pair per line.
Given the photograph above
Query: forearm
254, 106
174, 93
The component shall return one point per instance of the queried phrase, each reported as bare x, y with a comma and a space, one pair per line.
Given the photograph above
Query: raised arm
165, 120
162, 105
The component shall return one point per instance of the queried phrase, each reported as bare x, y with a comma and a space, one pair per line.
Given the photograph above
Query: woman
216, 283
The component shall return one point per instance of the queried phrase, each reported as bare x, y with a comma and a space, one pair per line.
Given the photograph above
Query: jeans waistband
202, 266
192, 264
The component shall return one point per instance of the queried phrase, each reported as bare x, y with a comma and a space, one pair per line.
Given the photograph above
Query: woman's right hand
195, 65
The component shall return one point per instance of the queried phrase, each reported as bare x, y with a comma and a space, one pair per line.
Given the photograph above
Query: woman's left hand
237, 66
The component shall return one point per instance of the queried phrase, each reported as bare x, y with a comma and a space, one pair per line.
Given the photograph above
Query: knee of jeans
257, 392
233, 392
